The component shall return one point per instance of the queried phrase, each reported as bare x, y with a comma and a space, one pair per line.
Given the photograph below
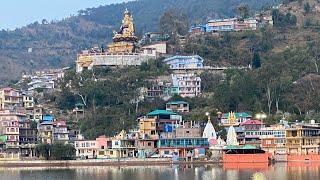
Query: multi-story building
10, 98
246, 24
178, 106
220, 25
273, 138
189, 85
182, 147
86, 149
60, 132
45, 132
28, 101
155, 49
303, 139
251, 129
9, 126
185, 62
187, 129
148, 128
28, 138
37, 113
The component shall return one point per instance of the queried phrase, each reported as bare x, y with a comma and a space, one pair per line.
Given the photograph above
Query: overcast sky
18, 13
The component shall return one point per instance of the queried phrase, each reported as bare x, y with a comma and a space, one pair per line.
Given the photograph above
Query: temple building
121, 52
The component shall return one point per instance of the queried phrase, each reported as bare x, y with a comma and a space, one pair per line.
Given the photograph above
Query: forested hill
55, 44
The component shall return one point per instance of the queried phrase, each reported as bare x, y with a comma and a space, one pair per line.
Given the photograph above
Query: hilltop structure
122, 51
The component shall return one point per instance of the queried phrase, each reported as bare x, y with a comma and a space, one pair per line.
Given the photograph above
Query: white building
87, 60
86, 148
154, 50
185, 62
189, 85
209, 132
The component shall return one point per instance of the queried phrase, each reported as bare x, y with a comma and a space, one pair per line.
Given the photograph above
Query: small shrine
124, 40
232, 137
209, 131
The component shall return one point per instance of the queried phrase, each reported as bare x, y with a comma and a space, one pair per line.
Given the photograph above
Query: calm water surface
299, 171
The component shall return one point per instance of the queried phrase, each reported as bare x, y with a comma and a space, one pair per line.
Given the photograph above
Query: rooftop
177, 102
161, 112
184, 57
252, 122
241, 114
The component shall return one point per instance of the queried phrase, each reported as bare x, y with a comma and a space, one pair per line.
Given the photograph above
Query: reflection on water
298, 171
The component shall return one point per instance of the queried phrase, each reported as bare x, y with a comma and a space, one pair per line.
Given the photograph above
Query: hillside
55, 44
284, 84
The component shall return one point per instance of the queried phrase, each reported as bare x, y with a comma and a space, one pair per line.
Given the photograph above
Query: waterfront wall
310, 157
99, 162
245, 158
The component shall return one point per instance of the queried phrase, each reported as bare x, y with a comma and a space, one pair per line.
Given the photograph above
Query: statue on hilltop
126, 32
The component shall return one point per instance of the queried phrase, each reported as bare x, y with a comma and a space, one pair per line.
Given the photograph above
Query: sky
18, 13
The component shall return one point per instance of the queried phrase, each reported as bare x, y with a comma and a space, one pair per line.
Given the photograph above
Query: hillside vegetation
55, 44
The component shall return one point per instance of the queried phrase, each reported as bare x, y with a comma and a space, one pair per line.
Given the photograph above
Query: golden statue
232, 117
124, 40
126, 30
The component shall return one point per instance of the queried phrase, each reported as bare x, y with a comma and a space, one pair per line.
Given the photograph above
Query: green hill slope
56, 44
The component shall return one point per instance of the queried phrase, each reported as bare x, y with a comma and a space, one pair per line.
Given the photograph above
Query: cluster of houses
23, 125
184, 81
160, 133
232, 24
164, 133
44, 80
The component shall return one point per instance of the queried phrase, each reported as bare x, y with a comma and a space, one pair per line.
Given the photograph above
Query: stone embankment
98, 162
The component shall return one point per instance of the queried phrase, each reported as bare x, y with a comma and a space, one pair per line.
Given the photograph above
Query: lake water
290, 171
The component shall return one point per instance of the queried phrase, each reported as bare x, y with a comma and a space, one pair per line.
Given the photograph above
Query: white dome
209, 132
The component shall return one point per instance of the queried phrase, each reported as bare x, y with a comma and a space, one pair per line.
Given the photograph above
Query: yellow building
10, 98
148, 129
303, 139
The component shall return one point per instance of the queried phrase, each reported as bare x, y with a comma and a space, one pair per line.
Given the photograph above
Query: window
102, 147
187, 132
149, 143
116, 143
166, 152
111, 152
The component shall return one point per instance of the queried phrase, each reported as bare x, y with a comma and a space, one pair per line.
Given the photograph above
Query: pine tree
256, 61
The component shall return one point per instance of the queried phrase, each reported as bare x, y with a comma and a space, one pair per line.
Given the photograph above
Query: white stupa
209, 132
232, 137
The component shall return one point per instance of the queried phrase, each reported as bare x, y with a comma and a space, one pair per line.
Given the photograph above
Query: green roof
247, 146
232, 147
243, 114
161, 112
3, 138
177, 102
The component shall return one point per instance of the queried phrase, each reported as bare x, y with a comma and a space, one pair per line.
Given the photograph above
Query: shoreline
97, 162
115, 162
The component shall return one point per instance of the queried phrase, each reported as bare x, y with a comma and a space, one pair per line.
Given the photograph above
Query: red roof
252, 122
61, 123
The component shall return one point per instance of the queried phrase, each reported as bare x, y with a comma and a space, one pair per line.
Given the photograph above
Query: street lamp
208, 115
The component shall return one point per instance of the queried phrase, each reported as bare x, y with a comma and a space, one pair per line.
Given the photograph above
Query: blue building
198, 29
185, 62
48, 117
